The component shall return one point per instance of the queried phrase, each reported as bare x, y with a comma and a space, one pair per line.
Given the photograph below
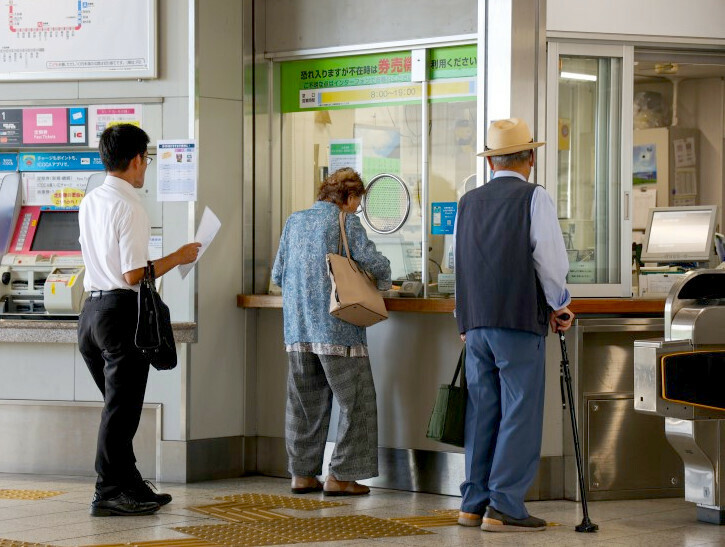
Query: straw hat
508, 137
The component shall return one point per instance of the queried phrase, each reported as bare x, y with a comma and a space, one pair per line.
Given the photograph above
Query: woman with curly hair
327, 356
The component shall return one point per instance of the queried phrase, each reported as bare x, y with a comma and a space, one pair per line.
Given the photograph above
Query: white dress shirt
115, 231
547, 245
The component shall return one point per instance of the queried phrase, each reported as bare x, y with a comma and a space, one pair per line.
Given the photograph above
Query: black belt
114, 292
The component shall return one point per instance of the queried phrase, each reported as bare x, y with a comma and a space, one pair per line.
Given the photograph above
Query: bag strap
343, 242
461, 367
341, 220
149, 272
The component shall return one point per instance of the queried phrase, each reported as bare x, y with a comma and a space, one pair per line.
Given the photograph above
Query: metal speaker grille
386, 204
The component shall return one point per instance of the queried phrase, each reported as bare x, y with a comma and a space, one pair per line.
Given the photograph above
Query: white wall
293, 25
701, 105
700, 19
216, 385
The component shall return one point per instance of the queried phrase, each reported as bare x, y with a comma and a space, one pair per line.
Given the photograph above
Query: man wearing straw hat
511, 268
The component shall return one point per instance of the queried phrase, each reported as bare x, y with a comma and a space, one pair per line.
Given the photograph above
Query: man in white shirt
114, 237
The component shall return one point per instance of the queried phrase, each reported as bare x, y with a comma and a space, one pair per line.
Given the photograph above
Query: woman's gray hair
510, 160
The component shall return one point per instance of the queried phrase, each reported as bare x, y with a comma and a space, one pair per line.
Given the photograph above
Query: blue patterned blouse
301, 270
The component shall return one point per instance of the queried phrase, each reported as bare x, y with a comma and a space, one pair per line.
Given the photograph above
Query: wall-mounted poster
77, 39
644, 165
177, 170
380, 150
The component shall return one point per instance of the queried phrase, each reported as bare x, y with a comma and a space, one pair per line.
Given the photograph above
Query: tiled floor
63, 520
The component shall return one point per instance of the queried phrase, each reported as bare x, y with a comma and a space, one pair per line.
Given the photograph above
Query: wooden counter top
580, 306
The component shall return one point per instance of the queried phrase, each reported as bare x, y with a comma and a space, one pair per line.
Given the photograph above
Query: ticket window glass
452, 164
587, 171
389, 142
377, 129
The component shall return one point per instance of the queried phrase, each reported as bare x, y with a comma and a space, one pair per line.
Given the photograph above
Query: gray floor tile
63, 520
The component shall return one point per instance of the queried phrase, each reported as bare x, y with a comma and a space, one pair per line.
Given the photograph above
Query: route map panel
77, 39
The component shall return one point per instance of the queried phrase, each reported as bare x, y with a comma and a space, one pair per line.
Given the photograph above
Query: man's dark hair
121, 143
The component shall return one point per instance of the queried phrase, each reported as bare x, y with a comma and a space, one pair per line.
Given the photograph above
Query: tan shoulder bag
354, 298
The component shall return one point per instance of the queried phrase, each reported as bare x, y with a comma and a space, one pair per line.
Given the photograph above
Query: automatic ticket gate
682, 377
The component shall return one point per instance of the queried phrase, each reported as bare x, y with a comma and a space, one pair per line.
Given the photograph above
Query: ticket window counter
365, 112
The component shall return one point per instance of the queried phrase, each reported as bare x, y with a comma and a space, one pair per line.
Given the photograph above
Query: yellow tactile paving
12, 543
447, 512
302, 530
337, 528
27, 494
428, 521
233, 534
270, 501
237, 512
193, 542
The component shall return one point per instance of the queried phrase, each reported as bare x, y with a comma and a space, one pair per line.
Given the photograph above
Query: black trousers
106, 330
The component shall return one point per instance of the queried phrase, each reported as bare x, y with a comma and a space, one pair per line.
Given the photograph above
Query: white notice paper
684, 152
645, 198
177, 170
346, 153
62, 189
208, 227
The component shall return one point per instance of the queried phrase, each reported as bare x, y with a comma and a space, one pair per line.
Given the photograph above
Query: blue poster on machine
61, 161
443, 217
8, 162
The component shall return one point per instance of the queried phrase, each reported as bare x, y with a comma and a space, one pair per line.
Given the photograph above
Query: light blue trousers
504, 418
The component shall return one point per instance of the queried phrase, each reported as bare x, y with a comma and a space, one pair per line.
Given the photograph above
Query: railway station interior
250, 105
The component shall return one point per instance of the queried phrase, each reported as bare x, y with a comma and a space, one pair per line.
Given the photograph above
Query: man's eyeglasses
148, 159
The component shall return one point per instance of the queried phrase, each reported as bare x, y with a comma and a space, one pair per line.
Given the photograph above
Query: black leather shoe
142, 491
122, 505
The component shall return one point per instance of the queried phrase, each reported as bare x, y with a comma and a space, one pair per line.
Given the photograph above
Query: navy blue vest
496, 283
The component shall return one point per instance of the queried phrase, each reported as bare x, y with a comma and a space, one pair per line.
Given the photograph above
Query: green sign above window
375, 79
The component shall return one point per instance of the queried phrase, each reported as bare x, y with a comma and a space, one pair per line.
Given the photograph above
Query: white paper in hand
208, 227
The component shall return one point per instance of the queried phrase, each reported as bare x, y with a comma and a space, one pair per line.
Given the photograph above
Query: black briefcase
154, 335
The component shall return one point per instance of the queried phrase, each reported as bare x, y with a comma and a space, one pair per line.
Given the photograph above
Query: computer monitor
679, 234
57, 231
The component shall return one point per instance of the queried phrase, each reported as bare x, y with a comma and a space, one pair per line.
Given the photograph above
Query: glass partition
587, 166
452, 169
373, 140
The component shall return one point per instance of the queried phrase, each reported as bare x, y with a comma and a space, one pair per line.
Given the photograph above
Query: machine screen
57, 231
682, 234
679, 232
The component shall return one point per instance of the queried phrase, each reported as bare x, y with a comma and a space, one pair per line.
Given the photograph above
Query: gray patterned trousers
312, 381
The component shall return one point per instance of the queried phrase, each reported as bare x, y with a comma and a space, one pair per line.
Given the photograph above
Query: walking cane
565, 377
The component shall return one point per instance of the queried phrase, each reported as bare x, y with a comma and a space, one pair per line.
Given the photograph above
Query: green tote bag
447, 421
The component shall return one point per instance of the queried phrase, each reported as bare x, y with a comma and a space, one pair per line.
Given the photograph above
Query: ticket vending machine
41, 269
41, 275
